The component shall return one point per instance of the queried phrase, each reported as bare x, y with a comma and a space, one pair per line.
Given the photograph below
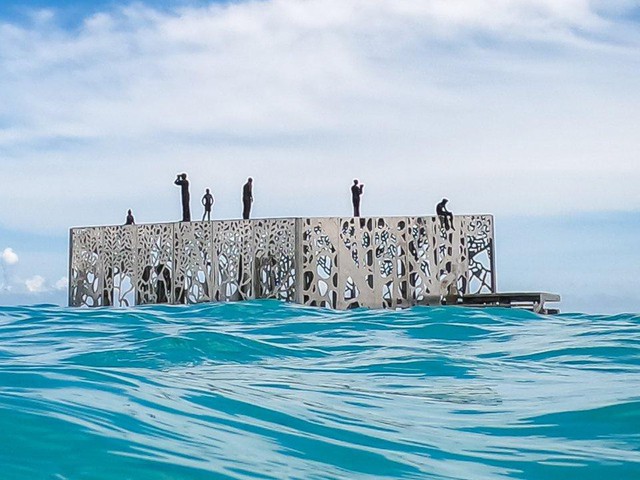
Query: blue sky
527, 109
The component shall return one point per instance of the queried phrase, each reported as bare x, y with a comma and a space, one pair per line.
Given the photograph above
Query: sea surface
260, 390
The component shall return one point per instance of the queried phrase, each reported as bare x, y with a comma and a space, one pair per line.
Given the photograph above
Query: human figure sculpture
181, 180
207, 202
130, 220
247, 198
445, 216
356, 192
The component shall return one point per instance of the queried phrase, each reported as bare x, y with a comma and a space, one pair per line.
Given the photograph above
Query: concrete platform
534, 301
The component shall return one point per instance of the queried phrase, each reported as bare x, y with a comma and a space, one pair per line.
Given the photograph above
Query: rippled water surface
270, 390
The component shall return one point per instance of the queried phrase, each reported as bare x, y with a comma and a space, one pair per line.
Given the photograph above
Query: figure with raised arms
183, 183
356, 192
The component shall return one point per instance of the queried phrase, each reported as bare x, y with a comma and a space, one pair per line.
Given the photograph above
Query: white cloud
61, 284
39, 284
9, 257
35, 284
501, 105
8, 260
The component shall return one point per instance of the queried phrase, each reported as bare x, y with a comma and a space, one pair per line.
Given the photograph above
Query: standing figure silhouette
207, 201
247, 198
183, 183
356, 192
444, 215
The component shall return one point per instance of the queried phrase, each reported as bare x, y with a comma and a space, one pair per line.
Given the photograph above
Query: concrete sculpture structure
376, 262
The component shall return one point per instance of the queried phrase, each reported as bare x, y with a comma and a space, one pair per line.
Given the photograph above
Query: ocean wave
270, 390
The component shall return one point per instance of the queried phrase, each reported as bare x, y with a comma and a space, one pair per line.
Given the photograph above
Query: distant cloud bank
534, 98
10, 282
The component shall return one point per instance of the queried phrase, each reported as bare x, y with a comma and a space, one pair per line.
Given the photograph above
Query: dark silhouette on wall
163, 283
247, 198
207, 201
130, 220
445, 216
154, 279
107, 293
143, 293
356, 191
182, 181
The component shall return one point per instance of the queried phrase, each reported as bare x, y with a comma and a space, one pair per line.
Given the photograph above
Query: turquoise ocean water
262, 389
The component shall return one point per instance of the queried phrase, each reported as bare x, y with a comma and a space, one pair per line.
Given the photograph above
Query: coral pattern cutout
318, 266
119, 260
193, 262
233, 260
274, 259
85, 269
155, 265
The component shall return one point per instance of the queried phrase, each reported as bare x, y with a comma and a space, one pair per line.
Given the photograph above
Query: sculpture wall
376, 262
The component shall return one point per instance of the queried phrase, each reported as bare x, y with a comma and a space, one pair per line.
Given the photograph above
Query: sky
527, 109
